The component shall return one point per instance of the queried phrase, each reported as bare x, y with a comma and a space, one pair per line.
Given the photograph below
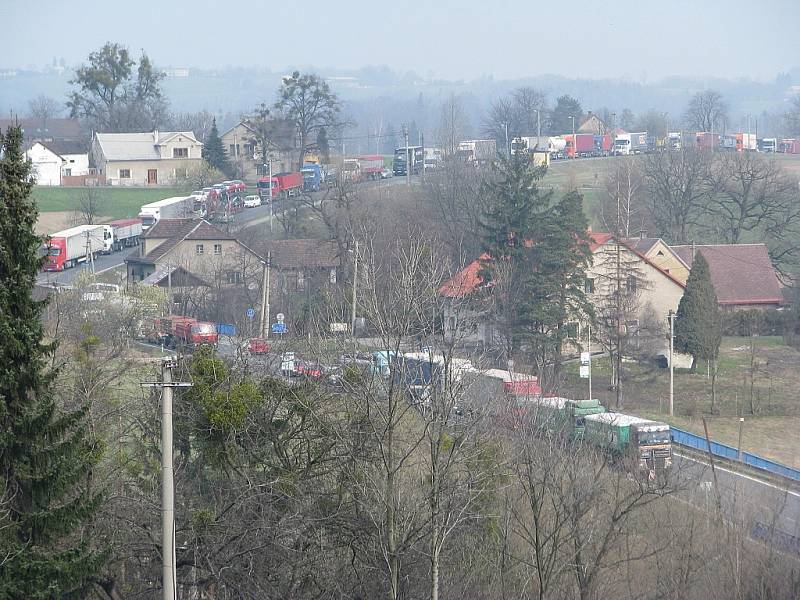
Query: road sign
279, 317
584, 371
585, 359
278, 328
251, 312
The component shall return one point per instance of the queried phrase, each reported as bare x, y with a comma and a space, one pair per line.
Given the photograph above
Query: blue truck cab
312, 177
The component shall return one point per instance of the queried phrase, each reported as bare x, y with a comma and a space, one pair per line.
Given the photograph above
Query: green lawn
116, 203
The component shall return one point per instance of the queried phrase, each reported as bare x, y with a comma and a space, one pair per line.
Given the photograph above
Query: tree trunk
713, 385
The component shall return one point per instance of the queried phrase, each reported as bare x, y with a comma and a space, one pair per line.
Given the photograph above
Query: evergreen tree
560, 119
214, 152
324, 146
538, 256
698, 328
46, 457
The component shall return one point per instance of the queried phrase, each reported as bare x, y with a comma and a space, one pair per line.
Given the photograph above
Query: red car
305, 369
258, 346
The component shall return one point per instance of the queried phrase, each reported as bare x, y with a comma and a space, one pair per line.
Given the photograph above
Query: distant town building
244, 152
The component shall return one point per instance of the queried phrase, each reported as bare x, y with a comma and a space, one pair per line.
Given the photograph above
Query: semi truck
745, 141
478, 152
370, 166
65, 249
580, 144
789, 146
630, 143
177, 207
313, 177
707, 140
284, 185
125, 233
768, 145
408, 160
647, 442
177, 331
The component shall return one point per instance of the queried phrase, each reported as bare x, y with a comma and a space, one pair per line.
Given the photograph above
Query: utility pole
408, 156
508, 148
355, 283
422, 145
168, 563
270, 196
589, 350
265, 297
739, 445
538, 126
574, 141
671, 318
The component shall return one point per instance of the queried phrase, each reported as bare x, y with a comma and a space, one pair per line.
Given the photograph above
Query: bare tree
750, 193
677, 182
453, 125
90, 205
621, 207
707, 111
43, 108
792, 118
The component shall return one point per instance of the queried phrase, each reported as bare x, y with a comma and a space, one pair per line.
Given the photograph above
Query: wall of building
75, 165
166, 170
46, 165
241, 151
663, 257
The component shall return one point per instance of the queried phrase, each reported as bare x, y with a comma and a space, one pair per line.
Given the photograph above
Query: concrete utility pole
671, 318
589, 350
508, 148
168, 562
270, 196
574, 141
422, 145
538, 126
265, 297
355, 284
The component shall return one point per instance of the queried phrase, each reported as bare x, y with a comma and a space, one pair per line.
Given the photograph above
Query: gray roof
138, 146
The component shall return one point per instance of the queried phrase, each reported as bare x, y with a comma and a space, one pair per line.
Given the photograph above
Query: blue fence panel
771, 466
684, 438
226, 329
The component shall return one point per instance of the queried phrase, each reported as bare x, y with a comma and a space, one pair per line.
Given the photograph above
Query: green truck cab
649, 441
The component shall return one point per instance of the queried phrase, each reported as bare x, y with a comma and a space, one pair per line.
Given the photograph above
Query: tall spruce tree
538, 253
46, 457
698, 328
214, 151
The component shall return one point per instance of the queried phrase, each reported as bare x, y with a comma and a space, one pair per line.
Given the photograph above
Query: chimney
155, 136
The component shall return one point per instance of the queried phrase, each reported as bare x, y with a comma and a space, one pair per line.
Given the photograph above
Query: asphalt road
101, 264
744, 499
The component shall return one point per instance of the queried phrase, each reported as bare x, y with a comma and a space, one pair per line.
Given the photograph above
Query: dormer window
180, 153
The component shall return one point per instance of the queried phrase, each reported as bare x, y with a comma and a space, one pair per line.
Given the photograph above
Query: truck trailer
65, 249
408, 160
177, 207
370, 166
478, 152
630, 143
125, 233
579, 145
647, 442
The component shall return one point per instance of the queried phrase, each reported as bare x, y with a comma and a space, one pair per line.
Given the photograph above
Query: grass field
115, 203
770, 432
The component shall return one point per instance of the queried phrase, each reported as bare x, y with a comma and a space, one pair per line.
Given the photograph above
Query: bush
760, 322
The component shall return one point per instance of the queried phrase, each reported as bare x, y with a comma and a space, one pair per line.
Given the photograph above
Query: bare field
49, 222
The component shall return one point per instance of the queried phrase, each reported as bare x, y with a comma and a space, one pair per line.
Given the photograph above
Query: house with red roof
742, 274
650, 290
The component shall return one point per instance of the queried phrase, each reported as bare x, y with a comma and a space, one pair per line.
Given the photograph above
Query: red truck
371, 166
789, 146
283, 184
707, 140
178, 331
583, 145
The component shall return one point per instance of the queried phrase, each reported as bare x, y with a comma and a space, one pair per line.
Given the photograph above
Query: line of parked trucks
65, 249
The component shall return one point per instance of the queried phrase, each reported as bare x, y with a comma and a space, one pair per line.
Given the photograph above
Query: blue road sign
278, 328
251, 312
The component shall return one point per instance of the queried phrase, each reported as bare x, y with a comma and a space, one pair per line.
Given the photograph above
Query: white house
54, 160
138, 159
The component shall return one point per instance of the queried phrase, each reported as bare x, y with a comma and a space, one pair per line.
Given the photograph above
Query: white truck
65, 249
477, 151
177, 207
122, 233
554, 146
630, 143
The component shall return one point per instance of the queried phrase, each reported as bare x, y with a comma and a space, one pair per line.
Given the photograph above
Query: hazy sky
444, 38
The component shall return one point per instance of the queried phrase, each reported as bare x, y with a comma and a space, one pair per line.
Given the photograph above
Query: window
198, 249
248, 149
180, 173
630, 284
217, 249
124, 173
588, 285
180, 153
67, 172
233, 277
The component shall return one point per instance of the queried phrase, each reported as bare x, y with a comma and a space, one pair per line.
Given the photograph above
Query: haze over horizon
449, 40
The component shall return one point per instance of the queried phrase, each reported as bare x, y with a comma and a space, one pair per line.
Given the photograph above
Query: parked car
252, 201
258, 346
386, 173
